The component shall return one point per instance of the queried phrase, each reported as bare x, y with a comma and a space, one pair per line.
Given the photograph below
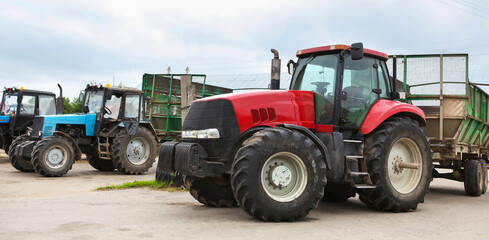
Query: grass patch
153, 185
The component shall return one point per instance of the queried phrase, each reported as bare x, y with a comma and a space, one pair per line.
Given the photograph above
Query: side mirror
291, 66
81, 96
357, 51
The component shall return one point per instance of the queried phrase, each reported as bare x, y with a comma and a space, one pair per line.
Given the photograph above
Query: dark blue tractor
18, 108
111, 131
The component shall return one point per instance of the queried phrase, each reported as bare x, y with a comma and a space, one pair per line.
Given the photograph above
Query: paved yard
35, 207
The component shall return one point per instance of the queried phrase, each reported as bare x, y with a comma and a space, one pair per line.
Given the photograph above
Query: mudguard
384, 109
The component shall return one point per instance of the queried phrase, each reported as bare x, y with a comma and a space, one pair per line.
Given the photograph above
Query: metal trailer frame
163, 108
458, 126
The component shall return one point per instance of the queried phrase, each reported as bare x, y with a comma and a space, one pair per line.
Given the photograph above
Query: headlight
206, 133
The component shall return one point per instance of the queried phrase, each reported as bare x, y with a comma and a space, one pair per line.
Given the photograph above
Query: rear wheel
171, 179
398, 158
133, 154
474, 177
211, 192
278, 175
18, 162
484, 171
53, 156
100, 164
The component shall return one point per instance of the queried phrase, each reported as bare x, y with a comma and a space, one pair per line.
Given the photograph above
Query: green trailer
164, 108
456, 115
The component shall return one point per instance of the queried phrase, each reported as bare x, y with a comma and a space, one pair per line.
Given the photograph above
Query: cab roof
36, 92
117, 89
338, 47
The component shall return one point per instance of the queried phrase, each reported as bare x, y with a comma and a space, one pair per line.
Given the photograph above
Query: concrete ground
68, 207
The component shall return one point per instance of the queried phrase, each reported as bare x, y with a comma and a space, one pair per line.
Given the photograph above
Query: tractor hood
270, 107
46, 125
4, 119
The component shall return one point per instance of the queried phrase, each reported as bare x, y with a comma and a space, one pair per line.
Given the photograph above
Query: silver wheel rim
481, 178
284, 176
403, 179
56, 157
137, 151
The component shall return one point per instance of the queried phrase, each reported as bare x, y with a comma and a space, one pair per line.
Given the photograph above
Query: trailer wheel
398, 158
171, 179
133, 154
474, 178
211, 192
484, 171
100, 164
338, 192
278, 175
18, 162
53, 156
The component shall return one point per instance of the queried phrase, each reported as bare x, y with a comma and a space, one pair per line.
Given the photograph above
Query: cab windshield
9, 103
94, 101
317, 74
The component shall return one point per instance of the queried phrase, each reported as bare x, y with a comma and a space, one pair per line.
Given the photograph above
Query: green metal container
164, 106
456, 110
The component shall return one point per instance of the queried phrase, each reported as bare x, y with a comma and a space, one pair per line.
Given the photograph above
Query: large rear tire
133, 154
100, 164
474, 178
211, 192
392, 152
171, 179
53, 156
278, 175
19, 163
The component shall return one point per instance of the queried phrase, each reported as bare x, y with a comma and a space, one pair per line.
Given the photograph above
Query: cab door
27, 108
364, 82
131, 116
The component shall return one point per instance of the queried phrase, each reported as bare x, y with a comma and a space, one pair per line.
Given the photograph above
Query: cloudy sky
76, 42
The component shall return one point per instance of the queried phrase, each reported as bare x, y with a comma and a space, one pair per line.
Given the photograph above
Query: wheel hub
136, 151
279, 176
55, 156
395, 165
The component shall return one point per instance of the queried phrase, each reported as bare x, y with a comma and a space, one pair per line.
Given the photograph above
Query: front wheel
171, 179
399, 162
133, 154
278, 175
19, 162
53, 156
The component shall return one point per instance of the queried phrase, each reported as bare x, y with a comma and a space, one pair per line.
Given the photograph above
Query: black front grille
218, 114
37, 126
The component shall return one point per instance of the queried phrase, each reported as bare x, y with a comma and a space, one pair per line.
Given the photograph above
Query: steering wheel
22, 109
108, 110
322, 87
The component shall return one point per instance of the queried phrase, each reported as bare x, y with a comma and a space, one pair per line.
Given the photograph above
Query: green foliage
153, 185
74, 106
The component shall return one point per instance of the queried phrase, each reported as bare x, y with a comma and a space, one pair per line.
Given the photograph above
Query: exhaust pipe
275, 78
59, 101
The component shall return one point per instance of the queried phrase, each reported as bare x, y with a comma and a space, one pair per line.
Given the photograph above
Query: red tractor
337, 132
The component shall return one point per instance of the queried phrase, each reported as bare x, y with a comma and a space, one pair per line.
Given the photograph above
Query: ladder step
364, 186
353, 141
357, 174
353, 157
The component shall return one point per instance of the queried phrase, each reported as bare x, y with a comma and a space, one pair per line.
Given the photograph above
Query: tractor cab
112, 106
346, 83
18, 109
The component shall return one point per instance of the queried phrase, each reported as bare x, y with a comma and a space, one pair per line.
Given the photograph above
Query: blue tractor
111, 131
18, 108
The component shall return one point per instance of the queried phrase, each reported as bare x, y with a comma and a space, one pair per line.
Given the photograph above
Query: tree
74, 106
